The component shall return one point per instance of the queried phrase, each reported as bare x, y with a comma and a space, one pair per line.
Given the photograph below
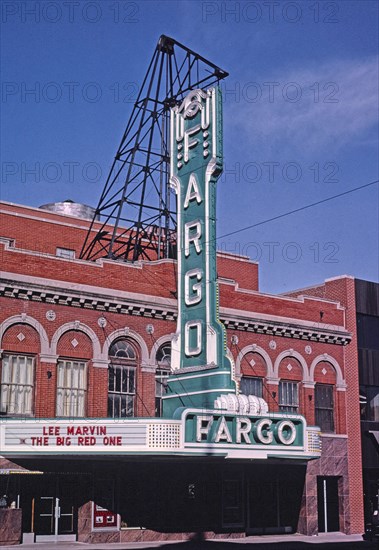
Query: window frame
61, 400
161, 375
10, 384
123, 360
255, 379
319, 409
129, 393
289, 405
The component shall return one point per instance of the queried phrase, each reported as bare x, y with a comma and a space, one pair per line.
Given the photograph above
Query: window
288, 396
369, 401
17, 381
122, 380
121, 391
65, 253
161, 376
251, 386
324, 409
368, 330
373, 403
71, 388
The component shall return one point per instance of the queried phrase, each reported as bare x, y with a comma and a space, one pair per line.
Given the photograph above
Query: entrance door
327, 504
55, 511
67, 506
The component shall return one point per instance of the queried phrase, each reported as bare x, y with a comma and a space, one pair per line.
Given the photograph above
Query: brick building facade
361, 302
92, 340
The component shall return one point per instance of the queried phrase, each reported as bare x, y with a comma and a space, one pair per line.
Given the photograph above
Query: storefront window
122, 380
251, 386
71, 388
17, 382
324, 408
161, 376
288, 396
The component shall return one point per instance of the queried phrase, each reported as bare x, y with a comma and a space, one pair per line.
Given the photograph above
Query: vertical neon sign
201, 369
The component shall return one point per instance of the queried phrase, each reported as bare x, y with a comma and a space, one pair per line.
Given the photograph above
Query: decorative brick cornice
288, 330
158, 308
78, 299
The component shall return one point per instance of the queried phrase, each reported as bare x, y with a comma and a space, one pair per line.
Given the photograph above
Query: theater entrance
50, 507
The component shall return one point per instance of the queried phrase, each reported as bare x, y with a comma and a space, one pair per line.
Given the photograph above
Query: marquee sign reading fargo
203, 409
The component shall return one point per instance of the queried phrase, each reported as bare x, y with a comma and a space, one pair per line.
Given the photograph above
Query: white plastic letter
192, 234
189, 327
193, 191
193, 297
260, 426
223, 432
288, 425
189, 143
203, 425
243, 429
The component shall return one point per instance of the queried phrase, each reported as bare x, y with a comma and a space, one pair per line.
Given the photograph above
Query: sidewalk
285, 542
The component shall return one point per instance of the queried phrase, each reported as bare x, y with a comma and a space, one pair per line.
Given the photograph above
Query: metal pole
57, 515
325, 507
32, 519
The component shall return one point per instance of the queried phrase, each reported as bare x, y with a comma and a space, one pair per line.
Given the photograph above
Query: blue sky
300, 117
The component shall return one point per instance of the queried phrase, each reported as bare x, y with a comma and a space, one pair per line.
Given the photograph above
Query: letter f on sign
203, 426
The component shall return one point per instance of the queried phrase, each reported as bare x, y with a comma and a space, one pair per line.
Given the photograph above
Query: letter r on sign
192, 234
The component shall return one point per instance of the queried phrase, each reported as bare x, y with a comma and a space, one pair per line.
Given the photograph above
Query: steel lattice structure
137, 208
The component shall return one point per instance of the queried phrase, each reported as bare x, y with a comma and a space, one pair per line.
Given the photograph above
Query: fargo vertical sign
196, 163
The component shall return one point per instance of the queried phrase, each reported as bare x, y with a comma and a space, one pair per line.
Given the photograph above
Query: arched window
122, 379
122, 348
161, 375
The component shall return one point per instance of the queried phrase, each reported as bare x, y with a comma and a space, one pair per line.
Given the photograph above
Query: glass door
55, 509
45, 515
67, 506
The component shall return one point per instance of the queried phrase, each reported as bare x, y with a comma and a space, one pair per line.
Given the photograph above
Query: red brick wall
21, 338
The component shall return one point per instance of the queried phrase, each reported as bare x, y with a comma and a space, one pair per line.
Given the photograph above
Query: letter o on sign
286, 432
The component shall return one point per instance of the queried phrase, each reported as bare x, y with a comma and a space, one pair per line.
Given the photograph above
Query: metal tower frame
137, 218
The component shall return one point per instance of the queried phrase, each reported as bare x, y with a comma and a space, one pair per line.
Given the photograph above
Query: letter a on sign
193, 191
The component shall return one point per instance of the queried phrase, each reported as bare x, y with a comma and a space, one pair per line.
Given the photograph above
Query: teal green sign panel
225, 428
201, 369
